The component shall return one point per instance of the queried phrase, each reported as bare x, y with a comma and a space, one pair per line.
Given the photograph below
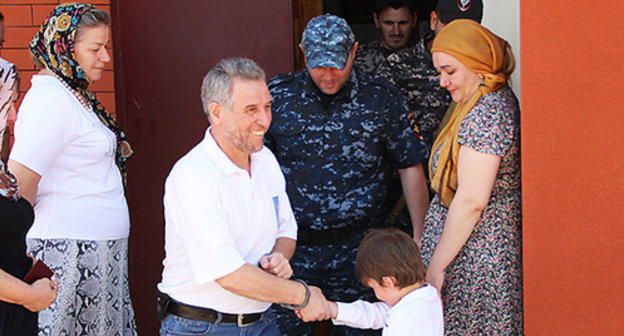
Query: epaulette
281, 79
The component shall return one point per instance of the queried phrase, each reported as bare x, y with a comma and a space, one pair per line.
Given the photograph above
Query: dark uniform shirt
411, 70
334, 157
370, 55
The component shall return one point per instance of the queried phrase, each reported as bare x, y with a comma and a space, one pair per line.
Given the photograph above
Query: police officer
395, 20
412, 72
334, 130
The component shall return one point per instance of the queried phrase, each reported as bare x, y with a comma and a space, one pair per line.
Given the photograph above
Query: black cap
396, 4
449, 10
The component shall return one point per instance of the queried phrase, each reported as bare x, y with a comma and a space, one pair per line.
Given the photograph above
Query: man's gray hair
217, 84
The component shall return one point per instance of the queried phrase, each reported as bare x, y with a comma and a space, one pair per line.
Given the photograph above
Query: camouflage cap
327, 41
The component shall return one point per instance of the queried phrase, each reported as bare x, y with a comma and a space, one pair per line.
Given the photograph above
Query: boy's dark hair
389, 252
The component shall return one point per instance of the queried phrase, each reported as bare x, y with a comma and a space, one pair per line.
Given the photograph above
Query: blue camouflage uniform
334, 152
412, 72
371, 55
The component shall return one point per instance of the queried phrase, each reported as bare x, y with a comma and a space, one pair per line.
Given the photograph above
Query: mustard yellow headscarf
483, 53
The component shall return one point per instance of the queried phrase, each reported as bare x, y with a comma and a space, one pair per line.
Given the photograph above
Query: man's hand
318, 308
276, 264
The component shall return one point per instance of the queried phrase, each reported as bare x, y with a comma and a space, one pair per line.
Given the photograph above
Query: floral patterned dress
482, 292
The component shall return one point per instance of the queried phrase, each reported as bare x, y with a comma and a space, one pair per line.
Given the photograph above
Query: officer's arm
416, 195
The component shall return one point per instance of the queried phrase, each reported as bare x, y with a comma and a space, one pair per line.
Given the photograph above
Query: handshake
318, 307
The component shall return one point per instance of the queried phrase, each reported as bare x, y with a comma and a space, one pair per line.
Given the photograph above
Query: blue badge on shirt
276, 207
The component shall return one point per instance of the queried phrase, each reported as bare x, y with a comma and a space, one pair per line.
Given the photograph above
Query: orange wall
22, 19
573, 166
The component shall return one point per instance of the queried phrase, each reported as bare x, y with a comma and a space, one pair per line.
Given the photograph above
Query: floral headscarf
53, 46
8, 184
8, 76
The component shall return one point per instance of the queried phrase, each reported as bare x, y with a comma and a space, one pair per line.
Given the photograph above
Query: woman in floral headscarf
472, 237
18, 300
69, 160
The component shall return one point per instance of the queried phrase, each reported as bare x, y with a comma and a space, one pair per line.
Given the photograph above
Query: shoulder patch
281, 79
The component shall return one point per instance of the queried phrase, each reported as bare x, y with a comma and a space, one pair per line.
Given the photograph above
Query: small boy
389, 262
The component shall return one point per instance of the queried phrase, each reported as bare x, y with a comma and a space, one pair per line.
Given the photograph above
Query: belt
306, 236
210, 315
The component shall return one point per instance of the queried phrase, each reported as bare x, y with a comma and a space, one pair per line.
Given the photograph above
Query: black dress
16, 217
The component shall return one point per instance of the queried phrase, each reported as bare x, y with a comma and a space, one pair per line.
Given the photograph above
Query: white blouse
80, 194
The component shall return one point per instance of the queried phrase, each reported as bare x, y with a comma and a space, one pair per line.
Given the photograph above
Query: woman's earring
480, 79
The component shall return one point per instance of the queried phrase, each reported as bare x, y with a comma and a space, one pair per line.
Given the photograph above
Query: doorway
359, 15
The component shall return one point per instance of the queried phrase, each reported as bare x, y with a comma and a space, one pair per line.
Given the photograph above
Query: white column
502, 17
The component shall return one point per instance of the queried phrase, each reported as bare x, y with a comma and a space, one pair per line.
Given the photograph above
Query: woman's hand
44, 292
418, 241
436, 279
7, 185
31, 258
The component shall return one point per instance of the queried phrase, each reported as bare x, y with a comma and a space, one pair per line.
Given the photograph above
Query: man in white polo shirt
229, 228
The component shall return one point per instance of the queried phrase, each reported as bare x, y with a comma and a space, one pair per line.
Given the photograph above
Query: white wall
502, 17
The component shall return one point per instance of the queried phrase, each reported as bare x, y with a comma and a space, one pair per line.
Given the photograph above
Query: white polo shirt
217, 218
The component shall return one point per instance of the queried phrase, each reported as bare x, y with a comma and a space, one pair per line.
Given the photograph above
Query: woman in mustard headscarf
472, 237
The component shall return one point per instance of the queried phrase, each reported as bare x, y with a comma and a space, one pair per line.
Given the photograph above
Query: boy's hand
333, 309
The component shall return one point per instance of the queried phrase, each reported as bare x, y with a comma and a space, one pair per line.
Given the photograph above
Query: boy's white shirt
417, 313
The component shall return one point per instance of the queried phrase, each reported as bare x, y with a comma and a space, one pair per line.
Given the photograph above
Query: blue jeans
181, 326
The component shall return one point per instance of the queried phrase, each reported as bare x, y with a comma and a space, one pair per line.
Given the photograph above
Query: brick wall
22, 19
